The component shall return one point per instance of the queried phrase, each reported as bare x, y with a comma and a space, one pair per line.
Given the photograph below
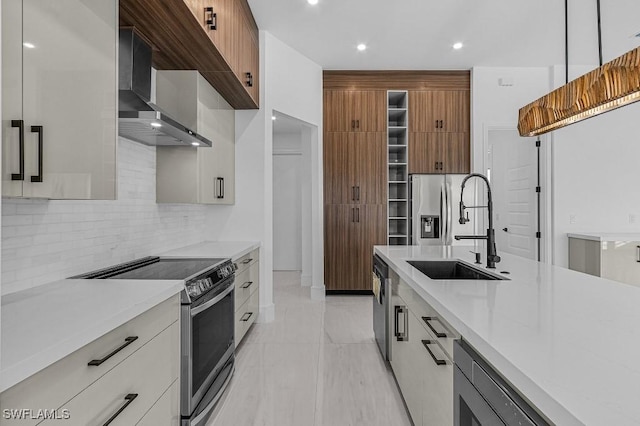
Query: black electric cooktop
157, 268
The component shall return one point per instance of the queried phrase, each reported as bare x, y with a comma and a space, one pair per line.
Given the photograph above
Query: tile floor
317, 364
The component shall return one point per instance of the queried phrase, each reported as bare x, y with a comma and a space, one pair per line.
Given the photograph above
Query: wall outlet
632, 218
572, 219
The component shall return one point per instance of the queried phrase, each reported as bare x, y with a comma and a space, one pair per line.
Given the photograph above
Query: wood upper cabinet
354, 110
439, 153
439, 110
354, 168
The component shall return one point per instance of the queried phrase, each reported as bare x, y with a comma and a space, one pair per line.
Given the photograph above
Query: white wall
287, 202
43, 241
291, 84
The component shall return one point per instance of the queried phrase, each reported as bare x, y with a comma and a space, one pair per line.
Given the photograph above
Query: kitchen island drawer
164, 412
129, 390
246, 315
246, 283
61, 381
247, 260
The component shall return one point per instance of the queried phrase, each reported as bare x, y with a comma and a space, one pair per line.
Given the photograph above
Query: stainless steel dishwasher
482, 398
381, 305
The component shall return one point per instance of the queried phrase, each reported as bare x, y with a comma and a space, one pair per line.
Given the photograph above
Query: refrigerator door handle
443, 202
449, 213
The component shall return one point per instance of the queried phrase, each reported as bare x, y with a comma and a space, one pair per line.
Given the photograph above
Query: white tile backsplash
43, 241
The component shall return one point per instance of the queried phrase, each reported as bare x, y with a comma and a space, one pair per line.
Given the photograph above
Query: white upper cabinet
59, 80
196, 175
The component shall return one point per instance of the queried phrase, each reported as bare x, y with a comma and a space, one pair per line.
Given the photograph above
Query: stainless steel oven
207, 325
482, 397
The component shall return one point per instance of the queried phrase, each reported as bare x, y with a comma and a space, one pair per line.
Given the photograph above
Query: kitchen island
567, 341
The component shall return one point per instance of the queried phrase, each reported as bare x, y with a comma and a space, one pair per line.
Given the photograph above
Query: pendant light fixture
612, 85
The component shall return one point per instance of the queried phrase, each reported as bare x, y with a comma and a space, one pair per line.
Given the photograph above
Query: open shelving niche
397, 160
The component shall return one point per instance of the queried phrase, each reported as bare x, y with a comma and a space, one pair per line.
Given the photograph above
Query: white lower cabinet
247, 293
138, 358
162, 412
614, 260
420, 361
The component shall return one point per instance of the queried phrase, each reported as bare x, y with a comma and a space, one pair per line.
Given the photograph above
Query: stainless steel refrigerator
435, 201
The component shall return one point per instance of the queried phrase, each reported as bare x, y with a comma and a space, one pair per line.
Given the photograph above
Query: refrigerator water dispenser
429, 226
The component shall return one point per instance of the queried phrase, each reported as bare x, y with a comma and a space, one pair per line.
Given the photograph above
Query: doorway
515, 172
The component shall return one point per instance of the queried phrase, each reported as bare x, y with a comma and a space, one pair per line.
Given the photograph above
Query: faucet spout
492, 255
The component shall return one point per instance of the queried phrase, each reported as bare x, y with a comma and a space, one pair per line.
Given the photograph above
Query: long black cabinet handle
39, 131
247, 284
358, 214
248, 315
637, 253
220, 187
128, 400
244, 262
212, 19
437, 333
426, 344
127, 342
357, 193
20, 125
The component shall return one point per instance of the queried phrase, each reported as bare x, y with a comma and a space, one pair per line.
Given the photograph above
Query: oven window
466, 415
212, 335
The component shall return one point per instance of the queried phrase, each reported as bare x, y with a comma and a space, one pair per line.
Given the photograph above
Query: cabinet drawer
248, 259
166, 411
246, 283
58, 383
246, 315
147, 373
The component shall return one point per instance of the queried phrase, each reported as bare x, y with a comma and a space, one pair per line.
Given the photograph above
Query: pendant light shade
614, 84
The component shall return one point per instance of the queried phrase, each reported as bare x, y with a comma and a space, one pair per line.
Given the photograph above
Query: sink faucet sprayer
492, 255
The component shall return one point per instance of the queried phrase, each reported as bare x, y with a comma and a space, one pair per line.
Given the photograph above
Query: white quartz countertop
45, 324
569, 342
231, 249
606, 236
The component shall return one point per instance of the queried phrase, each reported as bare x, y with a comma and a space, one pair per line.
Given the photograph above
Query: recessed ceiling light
156, 124
362, 47
28, 45
457, 45
195, 143
312, 1
273, 118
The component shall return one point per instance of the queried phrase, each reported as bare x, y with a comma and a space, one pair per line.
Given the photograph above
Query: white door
514, 173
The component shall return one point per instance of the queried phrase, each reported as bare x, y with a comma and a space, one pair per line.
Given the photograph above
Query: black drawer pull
244, 262
127, 342
20, 125
220, 187
437, 333
212, 19
426, 344
129, 399
247, 284
248, 315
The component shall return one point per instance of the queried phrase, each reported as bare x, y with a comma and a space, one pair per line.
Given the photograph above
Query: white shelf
397, 144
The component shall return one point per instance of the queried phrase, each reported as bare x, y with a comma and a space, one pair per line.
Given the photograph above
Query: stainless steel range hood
138, 118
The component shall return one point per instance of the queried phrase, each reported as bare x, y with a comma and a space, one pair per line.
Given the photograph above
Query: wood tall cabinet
355, 185
439, 131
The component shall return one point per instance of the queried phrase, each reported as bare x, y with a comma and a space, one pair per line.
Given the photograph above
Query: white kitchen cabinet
612, 256
59, 98
188, 174
422, 366
147, 366
247, 293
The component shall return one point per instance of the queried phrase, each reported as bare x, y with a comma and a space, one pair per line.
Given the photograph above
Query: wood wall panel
396, 80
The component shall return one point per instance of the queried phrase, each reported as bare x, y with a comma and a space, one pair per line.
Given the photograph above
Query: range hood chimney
138, 118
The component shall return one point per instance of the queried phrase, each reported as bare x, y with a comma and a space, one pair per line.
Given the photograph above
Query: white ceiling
419, 34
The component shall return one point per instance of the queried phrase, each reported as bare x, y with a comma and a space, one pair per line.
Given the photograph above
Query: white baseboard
317, 293
305, 280
267, 313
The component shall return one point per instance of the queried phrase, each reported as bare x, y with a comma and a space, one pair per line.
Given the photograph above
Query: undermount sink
451, 270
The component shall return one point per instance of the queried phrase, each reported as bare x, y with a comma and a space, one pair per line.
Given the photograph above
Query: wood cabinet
148, 367
439, 110
355, 111
59, 99
421, 356
187, 36
353, 166
188, 174
439, 153
351, 231
247, 293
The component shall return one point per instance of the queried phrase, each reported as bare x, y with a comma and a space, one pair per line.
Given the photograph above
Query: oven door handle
197, 310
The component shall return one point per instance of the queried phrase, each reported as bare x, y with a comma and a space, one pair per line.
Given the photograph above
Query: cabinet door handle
246, 316
212, 18
127, 342
426, 321
426, 344
637, 253
353, 214
441, 124
358, 124
353, 124
353, 193
20, 125
436, 124
128, 400
404, 335
38, 130
358, 214
247, 284
249, 81
357, 193
220, 187
244, 262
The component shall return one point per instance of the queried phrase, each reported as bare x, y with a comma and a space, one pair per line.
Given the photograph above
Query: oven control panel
225, 271
199, 287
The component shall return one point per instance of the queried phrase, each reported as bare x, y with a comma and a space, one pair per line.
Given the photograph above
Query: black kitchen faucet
492, 255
